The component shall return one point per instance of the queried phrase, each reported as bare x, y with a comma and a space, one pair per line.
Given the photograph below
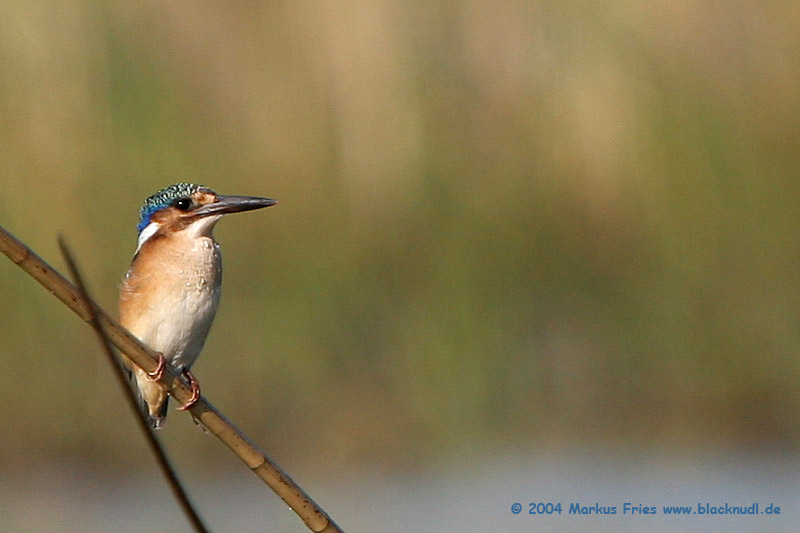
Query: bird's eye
183, 204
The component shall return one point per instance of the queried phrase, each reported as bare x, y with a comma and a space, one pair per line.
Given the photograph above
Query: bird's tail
157, 422
154, 421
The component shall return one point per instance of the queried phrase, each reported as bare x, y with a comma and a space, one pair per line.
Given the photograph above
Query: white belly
170, 301
179, 330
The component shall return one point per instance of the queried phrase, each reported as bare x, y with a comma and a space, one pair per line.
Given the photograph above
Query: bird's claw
195, 391
158, 373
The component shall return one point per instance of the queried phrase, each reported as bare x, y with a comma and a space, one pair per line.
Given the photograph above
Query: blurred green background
502, 225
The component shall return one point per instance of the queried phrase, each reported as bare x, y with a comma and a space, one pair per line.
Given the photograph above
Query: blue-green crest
164, 198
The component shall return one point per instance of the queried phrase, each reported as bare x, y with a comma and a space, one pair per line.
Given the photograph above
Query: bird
171, 292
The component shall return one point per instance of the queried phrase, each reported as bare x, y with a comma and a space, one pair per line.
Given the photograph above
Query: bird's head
190, 207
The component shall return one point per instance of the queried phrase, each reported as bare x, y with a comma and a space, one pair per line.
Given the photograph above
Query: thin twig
315, 518
155, 445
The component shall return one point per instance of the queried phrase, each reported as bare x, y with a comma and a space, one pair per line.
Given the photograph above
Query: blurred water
476, 495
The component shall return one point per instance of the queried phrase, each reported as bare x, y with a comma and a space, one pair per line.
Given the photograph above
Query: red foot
158, 373
195, 391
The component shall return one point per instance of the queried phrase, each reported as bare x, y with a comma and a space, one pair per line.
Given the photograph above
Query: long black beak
233, 204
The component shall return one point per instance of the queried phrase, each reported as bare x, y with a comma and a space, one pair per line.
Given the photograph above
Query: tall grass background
502, 225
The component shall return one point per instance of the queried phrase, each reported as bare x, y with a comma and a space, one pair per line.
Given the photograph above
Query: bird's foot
158, 373
195, 391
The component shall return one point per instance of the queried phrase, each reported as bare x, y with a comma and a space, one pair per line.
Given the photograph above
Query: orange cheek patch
170, 218
203, 197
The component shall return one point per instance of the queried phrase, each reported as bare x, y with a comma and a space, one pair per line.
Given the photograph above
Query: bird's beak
233, 204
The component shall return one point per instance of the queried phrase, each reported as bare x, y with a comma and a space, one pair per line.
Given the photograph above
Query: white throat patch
145, 234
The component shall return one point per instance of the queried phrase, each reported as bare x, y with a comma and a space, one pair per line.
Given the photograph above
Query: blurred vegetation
514, 223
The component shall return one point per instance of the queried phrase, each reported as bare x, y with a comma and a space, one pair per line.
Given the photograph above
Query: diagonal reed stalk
315, 518
152, 441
